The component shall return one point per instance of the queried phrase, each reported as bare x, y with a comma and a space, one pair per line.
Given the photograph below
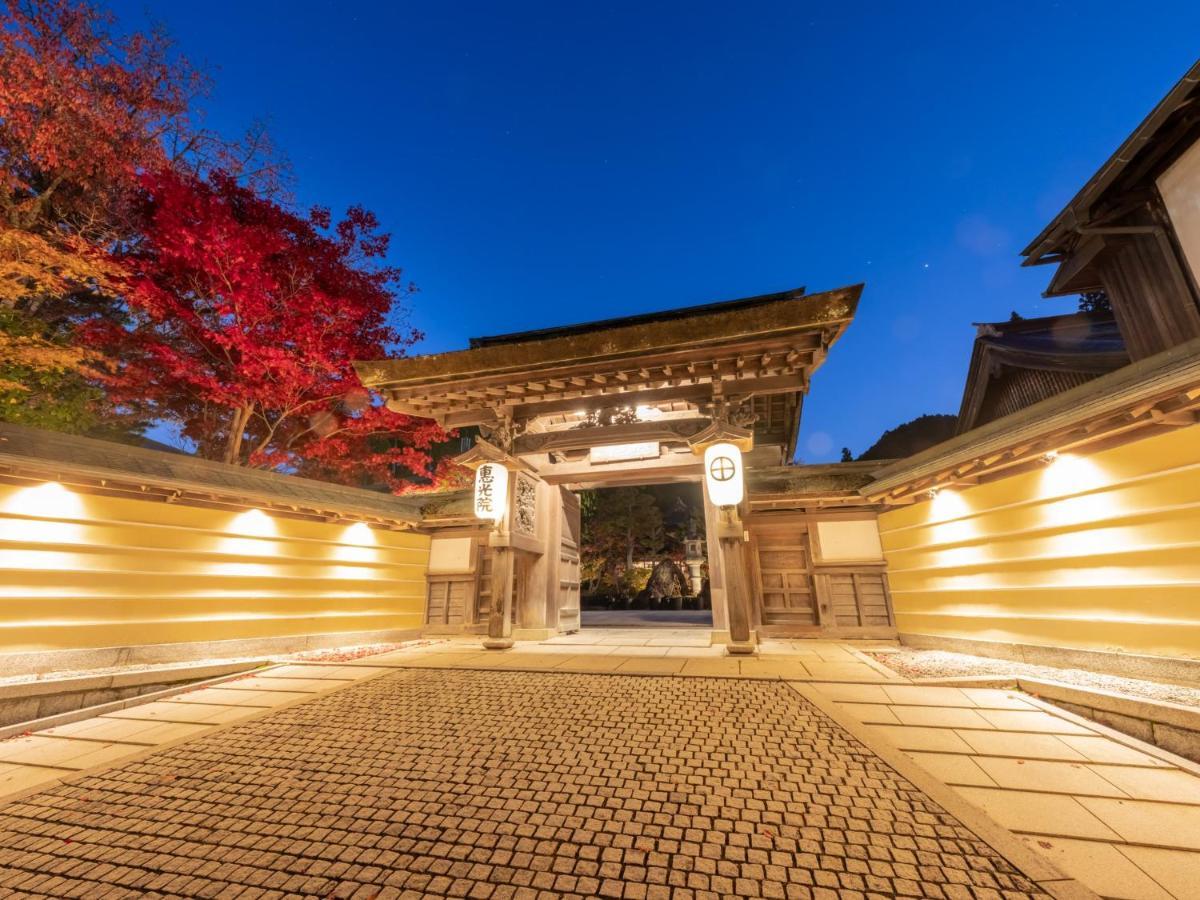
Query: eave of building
1058, 236
989, 354
768, 347
29, 455
1158, 393
824, 486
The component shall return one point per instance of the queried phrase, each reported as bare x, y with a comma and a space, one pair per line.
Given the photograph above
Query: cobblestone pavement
497, 784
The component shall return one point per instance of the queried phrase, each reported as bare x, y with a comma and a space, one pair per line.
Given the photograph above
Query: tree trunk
237, 429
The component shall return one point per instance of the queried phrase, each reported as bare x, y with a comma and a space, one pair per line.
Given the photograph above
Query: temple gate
631, 401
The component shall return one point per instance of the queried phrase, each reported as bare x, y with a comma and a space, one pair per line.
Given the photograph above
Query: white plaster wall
856, 540
1180, 189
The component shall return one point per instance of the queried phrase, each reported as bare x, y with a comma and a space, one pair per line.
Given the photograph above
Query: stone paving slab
1120, 815
504, 784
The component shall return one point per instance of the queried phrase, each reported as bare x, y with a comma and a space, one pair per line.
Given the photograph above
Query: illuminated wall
81, 571
1098, 552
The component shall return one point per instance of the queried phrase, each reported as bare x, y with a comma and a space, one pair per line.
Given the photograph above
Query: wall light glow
359, 533
1068, 473
50, 499
358, 544
947, 510
46, 503
1075, 479
254, 522
255, 525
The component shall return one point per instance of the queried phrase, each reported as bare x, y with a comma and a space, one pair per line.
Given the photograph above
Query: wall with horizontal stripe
1096, 552
86, 571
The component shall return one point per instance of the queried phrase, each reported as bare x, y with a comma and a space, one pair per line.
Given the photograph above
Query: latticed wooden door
783, 576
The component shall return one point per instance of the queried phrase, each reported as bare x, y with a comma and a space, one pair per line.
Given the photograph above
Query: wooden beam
607, 435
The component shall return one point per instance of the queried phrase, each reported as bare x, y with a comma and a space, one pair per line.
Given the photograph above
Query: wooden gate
782, 565
568, 563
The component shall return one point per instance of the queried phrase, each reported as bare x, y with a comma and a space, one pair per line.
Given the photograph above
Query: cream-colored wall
1099, 552
82, 571
1180, 190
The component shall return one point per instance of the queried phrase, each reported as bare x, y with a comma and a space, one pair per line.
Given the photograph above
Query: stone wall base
26, 701
1170, 726
1128, 665
48, 661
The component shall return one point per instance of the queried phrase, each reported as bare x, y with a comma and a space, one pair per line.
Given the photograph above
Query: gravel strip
332, 654
944, 664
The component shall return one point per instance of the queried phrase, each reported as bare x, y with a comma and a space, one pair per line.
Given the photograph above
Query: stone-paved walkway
472, 783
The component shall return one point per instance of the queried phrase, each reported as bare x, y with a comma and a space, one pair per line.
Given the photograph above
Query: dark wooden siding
1151, 296
1019, 388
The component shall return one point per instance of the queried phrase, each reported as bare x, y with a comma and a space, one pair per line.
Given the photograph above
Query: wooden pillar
737, 585
500, 618
716, 565
727, 577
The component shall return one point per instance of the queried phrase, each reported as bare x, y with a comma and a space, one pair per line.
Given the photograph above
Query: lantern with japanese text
491, 491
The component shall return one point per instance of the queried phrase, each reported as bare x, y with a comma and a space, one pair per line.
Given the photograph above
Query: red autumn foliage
81, 112
129, 233
246, 318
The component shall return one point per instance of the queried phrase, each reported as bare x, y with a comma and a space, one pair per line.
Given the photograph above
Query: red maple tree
245, 319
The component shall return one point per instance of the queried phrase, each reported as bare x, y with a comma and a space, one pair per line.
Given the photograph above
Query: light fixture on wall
491, 491
723, 473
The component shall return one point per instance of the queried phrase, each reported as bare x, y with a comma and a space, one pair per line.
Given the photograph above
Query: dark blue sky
540, 164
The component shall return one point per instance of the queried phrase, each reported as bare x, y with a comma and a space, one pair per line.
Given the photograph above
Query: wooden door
568, 563
783, 576
445, 602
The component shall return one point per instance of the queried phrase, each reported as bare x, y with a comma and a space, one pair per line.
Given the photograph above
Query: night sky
540, 164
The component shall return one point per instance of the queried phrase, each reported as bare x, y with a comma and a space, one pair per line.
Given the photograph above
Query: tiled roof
33, 452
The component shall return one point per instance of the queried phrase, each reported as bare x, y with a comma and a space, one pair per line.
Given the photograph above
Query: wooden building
1060, 524
625, 402
1015, 364
1133, 230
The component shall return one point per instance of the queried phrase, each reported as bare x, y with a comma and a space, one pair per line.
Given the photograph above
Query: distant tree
625, 525
847, 456
81, 112
912, 437
85, 108
1095, 302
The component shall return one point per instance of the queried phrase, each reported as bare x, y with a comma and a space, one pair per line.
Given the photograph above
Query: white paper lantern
723, 474
491, 491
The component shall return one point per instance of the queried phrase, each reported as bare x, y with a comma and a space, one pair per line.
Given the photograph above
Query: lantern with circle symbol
723, 473
491, 491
